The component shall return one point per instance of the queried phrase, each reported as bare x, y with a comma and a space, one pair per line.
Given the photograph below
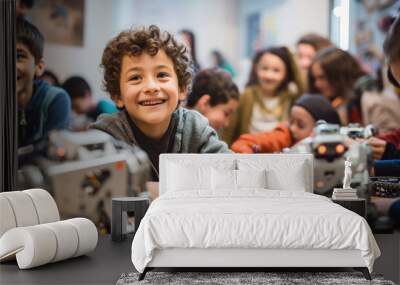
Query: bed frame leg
364, 271
143, 274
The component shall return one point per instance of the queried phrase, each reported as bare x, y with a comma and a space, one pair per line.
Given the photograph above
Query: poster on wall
269, 30
261, 32
253, 43
60, 21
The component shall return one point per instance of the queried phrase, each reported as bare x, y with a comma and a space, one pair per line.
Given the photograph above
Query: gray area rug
226, 278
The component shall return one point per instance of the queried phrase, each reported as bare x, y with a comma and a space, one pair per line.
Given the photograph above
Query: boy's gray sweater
193, 134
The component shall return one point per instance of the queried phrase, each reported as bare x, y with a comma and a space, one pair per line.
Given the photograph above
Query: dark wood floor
106, 264
389, 262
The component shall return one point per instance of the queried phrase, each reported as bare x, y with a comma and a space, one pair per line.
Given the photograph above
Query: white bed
234, 210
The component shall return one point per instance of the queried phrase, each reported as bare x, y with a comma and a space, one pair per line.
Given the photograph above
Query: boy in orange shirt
305, 112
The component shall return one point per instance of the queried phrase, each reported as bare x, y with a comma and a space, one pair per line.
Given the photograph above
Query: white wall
288, 19
212, 21
217, 24
282, 23
84, 61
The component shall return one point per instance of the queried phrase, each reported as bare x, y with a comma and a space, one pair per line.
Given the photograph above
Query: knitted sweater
193, 134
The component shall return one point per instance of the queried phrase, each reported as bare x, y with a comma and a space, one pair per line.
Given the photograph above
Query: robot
331, 146
84, 170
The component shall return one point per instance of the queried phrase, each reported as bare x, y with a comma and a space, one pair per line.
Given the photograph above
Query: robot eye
340, 148
322, 149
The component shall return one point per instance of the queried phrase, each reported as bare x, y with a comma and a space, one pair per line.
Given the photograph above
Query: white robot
330, 148
84, 170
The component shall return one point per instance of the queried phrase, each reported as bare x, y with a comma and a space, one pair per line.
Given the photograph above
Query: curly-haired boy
147, 73
214, 95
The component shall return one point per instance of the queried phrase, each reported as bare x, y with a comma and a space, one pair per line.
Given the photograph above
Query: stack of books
343, 194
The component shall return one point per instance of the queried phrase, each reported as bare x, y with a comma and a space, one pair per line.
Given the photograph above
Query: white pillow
223, 179
282, 174
188, 177
251, 178
279, 179
236, 179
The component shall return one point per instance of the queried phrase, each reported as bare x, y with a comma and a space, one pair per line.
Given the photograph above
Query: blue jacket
49, 109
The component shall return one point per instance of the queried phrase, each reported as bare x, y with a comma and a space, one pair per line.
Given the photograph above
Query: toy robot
84, 170
330, 146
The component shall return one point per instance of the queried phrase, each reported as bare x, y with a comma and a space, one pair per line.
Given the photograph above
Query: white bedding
252, 218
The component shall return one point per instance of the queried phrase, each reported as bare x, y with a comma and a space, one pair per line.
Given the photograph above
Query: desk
104, 265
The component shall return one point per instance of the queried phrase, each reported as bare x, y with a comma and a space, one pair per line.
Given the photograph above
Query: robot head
327, 143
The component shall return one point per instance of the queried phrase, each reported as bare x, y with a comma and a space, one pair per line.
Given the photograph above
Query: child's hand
242, 148
377, 146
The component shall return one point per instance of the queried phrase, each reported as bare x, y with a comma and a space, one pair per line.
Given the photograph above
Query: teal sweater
49, 109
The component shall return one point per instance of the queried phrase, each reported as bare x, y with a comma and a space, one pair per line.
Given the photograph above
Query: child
391, 48
338, 76
214, 95
41, 107
84, 109
306, 48
268, 95
334, 73
189, 40
147, 73
220, 61
50, 77
387, 145
306, 111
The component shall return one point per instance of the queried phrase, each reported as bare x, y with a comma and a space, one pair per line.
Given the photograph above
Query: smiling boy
41, 107
147, 73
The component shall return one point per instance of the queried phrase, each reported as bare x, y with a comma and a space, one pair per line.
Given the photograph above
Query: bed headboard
289, 166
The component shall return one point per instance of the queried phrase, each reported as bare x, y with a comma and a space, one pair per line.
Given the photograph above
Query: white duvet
254, 218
